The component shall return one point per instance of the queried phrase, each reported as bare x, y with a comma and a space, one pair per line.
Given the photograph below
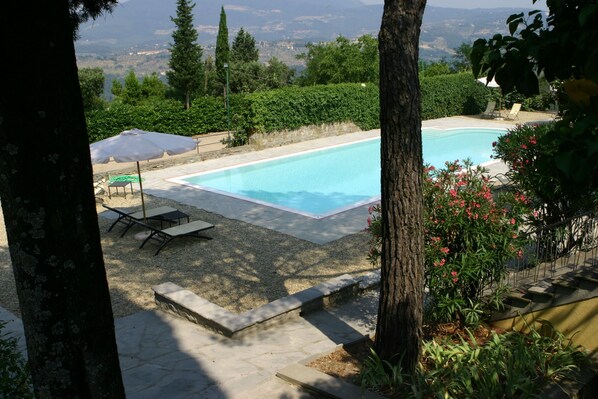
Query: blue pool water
324, 182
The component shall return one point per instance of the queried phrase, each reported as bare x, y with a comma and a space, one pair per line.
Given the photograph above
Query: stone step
569, 287
541, 294
587, 281
516, 299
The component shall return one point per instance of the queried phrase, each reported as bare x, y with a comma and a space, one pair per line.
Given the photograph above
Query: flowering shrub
537, 162
469, 235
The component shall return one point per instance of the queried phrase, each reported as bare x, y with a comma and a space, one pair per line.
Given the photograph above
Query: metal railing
556, 249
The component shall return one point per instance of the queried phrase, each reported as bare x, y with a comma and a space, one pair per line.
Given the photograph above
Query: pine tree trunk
399, 325
49, 207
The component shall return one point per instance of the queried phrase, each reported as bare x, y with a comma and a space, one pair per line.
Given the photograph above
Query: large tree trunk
49, 207
399, 326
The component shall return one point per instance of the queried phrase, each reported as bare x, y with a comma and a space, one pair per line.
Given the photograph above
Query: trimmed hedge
293, 107
450, 95
287, 108
206, 115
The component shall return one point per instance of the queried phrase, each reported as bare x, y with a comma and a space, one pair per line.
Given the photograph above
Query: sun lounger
191, 229
491, 110
514, 111
129, 219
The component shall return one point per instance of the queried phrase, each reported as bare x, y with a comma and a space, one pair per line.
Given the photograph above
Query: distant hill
145, 24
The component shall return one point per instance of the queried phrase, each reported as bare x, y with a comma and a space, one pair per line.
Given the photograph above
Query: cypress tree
186, 74
222, 48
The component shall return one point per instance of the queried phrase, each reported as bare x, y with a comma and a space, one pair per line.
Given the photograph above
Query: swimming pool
323, 182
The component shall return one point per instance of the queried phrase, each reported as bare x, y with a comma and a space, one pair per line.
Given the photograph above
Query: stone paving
166, 357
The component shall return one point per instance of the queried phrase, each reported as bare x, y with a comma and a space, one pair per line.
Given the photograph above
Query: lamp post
227, 100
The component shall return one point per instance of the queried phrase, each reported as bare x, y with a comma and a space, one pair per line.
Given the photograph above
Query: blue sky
479, 3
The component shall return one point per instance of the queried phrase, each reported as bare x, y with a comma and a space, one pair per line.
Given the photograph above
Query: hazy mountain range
146, 24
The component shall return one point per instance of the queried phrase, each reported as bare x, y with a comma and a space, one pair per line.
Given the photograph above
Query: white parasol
137, 145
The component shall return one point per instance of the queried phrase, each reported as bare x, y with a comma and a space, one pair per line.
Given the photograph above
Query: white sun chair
514, 111
490, 111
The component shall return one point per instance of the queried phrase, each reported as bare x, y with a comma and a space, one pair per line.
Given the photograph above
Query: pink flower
454, 274
512, 221
444, 250
523, 146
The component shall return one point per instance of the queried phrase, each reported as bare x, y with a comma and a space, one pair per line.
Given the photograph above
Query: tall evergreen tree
222, 48
400, 311
186, 74
52, 225
91, 81
243, 49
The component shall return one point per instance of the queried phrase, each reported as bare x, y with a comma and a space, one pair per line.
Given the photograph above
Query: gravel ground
242, 267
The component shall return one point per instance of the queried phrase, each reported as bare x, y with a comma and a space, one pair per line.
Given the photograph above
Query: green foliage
117, 88
249, 77
287, 108
222, 48
462, 57
341, 61
292, 107
470, 235
81, 10
435, 69
152, 87
243, 49
211, 84
166, 116
186, 68
91, 81
15, 379
131, 92
563, 48
448, 95
540, 160
278, 74
511, 365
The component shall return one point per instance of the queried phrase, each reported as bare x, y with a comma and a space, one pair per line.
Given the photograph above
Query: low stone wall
277, 139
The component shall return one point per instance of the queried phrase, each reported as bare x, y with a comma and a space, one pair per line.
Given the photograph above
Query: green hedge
287, 108
206, 115
293, 107
450, 95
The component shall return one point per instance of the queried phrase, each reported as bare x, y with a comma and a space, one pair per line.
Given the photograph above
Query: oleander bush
541, 164
470, 234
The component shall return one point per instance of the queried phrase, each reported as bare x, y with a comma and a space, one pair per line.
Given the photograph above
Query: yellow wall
578, 320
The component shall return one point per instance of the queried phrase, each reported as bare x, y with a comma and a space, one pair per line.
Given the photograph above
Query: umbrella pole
141, 191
